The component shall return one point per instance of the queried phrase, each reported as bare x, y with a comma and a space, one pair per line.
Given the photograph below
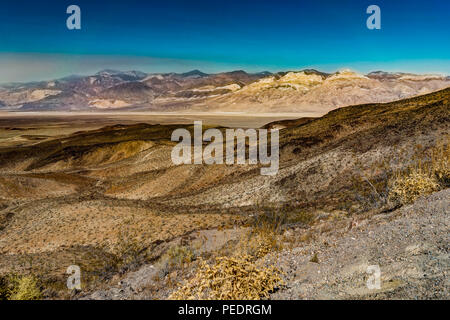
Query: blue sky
164, 36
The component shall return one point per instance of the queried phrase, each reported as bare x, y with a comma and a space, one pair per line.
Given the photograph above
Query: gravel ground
410, 246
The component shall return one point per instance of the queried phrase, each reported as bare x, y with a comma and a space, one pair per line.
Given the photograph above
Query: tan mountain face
29, 95
299, 92
309, 91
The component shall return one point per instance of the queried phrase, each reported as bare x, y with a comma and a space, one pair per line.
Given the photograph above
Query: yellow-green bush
407, 187
22, 288
230, 278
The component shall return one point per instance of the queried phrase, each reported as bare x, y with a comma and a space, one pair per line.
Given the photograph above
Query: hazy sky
164, 36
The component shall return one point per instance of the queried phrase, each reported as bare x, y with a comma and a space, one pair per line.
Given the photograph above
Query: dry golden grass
265, 229
258, 243
176, 258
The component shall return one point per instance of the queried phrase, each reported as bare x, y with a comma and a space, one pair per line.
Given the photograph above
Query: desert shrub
410, 185
230, 278
429, 172
128, 252
258, 243
239, 276
267, 226
20, 288
440, 163
419, 172
269, 218
4, 290
177, 256
300, 217
370, 184
265, 229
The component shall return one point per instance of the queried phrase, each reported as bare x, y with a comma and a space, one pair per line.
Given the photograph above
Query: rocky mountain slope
295, 92
409, 245
93, 198
303, 91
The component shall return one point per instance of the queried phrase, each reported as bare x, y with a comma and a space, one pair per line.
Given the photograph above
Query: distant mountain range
307, 90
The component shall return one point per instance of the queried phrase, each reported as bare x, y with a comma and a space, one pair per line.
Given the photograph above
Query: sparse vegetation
422, 173
267, 226
239, 276
371, 183
176, 257
179, 255
423, 177
407, 187
128, 252
440, 161
259, 243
